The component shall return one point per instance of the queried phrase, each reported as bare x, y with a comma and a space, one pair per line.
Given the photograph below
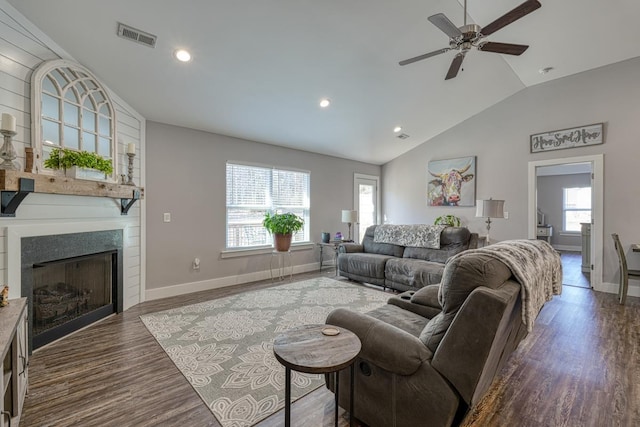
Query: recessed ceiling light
324, 103
545, 70
182, 55
397, 129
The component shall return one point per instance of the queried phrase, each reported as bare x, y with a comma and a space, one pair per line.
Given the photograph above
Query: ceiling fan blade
445, 25
455, 66
524, 9
425, 56
507, 48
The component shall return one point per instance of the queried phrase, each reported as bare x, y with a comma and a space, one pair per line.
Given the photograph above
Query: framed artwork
452, 182
567, 138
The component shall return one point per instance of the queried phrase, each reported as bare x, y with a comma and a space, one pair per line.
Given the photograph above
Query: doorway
564, 206
366, 201
567, 220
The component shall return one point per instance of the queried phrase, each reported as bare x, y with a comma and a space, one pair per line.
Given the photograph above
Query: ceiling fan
464, 38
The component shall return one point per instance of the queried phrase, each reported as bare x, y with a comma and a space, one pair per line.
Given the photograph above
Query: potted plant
450, 220
79, 164
282, 226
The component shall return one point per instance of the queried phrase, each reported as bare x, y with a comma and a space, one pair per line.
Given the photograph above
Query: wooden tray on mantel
54, 184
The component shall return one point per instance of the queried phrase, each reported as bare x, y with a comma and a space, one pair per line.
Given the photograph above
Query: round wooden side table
307, 349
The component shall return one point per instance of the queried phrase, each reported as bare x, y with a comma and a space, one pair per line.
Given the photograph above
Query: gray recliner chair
429, 355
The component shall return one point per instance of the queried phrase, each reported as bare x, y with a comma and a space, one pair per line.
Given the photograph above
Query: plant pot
84, 173
282, 242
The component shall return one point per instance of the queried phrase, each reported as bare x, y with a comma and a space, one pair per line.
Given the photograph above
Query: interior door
366, 202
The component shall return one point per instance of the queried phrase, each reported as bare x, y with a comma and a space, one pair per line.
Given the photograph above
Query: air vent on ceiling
133, 34
403, 136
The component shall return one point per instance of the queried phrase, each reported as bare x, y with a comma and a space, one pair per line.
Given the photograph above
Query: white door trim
356, 193
597, 229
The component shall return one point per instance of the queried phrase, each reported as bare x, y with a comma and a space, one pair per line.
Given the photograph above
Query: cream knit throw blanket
536, 265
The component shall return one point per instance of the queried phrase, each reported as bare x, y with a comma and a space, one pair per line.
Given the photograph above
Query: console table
307, 349
331, 245
15, 361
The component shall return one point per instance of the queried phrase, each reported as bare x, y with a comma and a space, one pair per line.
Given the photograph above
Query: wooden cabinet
545, 232
585, 232
15, 360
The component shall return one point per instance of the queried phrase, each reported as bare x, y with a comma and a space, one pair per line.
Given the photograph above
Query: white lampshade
490, 208
349, 216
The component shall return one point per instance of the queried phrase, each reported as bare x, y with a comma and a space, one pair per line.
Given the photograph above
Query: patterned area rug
224, 347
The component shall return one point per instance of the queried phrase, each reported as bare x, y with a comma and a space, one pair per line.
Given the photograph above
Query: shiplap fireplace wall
22, 48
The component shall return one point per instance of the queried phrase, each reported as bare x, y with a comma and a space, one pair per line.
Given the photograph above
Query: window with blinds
254, 190
576, 208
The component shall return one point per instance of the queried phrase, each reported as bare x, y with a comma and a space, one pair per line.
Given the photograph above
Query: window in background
254, 190
576, 208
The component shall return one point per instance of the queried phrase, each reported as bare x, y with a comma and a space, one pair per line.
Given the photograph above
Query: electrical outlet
506, 215
167, 217
196, 264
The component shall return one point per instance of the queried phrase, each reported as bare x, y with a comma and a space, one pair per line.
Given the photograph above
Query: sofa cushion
413, 273
452, 241
461, 276
408, 321
363, 264
379, 248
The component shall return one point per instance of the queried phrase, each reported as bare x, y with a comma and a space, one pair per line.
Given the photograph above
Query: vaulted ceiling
260, 68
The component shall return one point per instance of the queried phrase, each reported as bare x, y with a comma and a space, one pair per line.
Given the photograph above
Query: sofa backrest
480, 323
459, 278
453, 240
380, 248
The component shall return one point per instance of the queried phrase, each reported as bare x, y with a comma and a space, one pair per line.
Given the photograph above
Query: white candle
8, 122
131, 148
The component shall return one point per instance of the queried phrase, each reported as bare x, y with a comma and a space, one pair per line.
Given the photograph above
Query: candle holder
130, 170
7, 152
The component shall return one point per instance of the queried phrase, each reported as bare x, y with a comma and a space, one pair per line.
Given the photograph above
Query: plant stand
281, 257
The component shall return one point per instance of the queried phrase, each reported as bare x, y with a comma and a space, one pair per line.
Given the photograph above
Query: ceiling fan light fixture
324, 103
182, 55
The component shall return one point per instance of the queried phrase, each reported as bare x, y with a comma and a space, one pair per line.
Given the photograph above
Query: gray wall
550, 195
499, 136
186, 177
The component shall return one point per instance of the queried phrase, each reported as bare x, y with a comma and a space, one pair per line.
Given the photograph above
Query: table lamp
490, 209
349, 217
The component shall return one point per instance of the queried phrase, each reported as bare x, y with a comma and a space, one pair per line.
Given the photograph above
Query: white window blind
576, 207
254, 190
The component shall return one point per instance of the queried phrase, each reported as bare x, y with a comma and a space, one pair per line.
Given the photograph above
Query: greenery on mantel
63, 158
286, 223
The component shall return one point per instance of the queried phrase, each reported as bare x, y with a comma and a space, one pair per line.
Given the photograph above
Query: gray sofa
429, 355
399, 267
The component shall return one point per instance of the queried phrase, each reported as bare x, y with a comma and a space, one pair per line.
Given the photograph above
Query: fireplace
71, 281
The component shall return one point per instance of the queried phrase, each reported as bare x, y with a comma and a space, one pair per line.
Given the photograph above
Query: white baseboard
220, 282
568, 248
612, 288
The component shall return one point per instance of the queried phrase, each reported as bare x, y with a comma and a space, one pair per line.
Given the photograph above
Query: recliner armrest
383, 344
350, 247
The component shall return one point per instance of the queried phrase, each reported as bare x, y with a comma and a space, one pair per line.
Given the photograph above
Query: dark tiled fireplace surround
73, 247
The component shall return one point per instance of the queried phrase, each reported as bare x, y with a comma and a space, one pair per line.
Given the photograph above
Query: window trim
230, 252
37, 79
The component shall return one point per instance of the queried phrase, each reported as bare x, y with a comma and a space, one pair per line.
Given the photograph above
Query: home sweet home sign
567, 138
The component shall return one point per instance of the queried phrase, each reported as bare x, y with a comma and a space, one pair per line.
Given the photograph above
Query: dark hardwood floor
572, 270
579, 367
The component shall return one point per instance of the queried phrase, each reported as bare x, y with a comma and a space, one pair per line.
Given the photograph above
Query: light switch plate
167, 216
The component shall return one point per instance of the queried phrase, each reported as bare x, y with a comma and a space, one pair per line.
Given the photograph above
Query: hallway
572, 274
